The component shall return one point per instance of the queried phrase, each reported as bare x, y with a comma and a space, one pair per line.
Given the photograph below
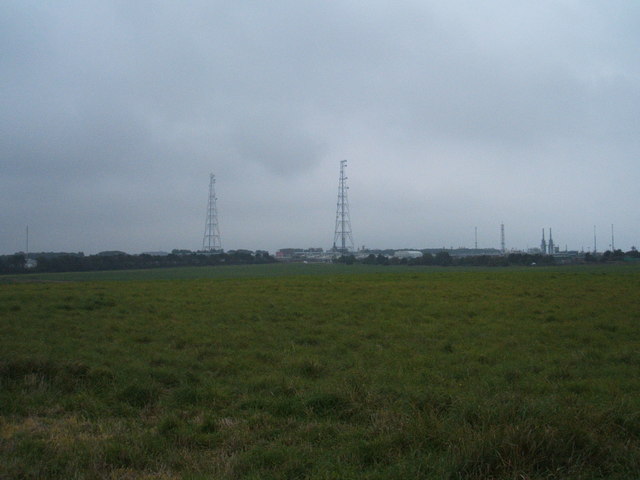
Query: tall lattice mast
342, 239
502, 244
211, 241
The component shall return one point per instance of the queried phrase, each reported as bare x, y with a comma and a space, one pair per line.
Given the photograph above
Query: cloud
452, 115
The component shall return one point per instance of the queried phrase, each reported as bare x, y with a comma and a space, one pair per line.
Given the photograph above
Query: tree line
444, 259
78, 262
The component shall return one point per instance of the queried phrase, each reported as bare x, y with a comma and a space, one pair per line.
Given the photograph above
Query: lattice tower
343, 239
211, 241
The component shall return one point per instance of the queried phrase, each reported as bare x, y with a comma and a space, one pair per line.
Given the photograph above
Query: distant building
303, 254
407, 254
286, 253
30, 263
465, 252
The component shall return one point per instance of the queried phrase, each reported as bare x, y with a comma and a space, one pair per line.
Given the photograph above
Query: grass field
311, 372
214, 272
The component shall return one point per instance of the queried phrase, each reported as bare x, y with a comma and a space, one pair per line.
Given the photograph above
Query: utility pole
342, 238
211, 242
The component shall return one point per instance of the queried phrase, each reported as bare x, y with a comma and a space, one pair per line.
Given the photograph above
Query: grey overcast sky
452, 115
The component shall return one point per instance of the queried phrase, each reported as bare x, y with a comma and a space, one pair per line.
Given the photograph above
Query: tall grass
423, 374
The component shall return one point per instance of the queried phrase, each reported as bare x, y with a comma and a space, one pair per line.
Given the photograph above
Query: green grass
415, 373
217, 272
271, 270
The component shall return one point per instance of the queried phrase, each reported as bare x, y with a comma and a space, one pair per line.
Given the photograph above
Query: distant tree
612, 256
443, 259
382, 259
370, 260
394, 261
13, 263
633, 253
346, 259
427, 258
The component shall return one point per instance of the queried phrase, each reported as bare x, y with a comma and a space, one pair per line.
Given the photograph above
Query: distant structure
595, 250
211, 242
29, 262
502, 244
552, 248
342, 239
613, 245
543, 244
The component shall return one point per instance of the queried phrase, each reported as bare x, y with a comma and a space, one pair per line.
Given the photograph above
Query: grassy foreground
505, 374
213, 272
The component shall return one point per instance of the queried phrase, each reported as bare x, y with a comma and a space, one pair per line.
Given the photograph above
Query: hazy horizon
451, 115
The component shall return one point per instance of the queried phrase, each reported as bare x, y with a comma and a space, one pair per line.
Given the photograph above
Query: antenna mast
211, 242
342, 239
613, 246
502, 244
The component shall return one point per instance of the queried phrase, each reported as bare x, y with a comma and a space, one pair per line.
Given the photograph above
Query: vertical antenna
594, 240
552, 248
502, 244
211, 242
342, 239
543, 244
476, 237
27, 252
613, 245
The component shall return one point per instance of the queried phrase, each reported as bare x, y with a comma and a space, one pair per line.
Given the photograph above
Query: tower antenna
543, 244
342, 239
476, 237
594, 240
502, 244
211, 242
613, 245
552, 247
